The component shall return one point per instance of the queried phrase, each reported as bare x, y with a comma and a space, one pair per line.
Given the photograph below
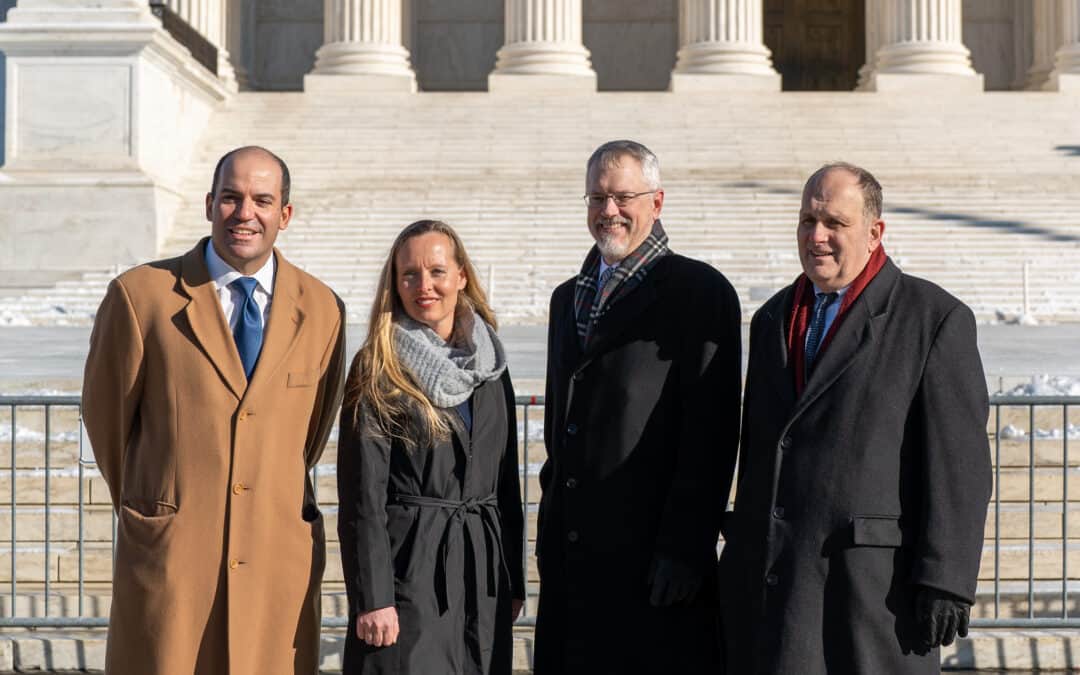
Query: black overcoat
437, 533
641, 433
875, 480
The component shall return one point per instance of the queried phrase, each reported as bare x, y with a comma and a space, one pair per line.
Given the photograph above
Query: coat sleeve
951, 410
709, 380
331, 383
513, 520
363, 469
112, 384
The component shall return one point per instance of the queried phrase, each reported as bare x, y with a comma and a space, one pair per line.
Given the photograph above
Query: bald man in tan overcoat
220, 546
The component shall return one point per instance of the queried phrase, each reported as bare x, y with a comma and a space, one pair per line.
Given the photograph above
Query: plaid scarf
591, 303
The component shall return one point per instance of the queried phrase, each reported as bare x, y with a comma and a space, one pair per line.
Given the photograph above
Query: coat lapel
781, 378
855, 335
283, 325
207, 321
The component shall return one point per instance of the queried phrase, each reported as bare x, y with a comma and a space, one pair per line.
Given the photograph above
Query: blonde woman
430, 521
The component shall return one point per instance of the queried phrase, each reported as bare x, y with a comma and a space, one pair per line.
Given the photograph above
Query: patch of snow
1046, 385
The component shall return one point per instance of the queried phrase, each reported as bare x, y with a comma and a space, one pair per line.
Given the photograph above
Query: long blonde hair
378, 384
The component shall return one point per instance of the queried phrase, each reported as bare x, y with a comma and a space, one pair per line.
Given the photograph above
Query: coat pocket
145, 525
881, 531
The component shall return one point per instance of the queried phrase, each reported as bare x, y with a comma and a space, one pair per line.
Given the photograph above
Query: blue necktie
817, 327
248, 332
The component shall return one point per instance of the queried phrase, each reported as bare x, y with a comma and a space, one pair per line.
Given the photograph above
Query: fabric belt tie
487, 510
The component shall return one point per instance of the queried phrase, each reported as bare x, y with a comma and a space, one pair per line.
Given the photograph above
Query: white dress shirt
232, 298
830, 312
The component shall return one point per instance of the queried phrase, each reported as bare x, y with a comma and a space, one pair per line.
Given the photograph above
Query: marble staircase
978, 188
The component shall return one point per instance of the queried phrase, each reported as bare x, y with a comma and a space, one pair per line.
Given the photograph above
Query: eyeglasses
596, 201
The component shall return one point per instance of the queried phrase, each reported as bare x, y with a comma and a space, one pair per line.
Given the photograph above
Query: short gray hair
873, 202
609, 154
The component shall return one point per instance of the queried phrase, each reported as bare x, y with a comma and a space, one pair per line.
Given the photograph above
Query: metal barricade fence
55, 496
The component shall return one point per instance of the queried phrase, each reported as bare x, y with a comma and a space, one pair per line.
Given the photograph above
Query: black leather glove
940, 616
672, 582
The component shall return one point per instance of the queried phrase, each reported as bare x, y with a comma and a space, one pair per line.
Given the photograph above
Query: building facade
106, 100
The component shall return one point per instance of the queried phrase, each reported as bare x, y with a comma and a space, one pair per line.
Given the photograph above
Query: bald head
247, 150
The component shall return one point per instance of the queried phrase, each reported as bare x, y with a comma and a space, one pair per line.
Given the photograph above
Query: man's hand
672, 582
940, 616
379, 627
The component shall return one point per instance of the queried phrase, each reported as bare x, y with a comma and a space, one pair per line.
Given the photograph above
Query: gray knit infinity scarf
449, 372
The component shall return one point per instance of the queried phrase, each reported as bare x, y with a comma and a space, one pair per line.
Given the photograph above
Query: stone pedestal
362, 49
543, 50
1066, 74
922, 49
104, 111
722, 48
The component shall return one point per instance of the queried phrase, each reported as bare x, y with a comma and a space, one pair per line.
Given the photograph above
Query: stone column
1066, 73
722, 48
235, 39
362, 49
543, 50
1045, 40
874, 29
922, 49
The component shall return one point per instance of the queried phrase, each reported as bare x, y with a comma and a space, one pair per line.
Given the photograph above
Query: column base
318, 83
700, 83
1066, 83
924, 83
520, 83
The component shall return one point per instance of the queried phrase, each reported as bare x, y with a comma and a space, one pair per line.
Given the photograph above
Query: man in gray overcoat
864, 466
641, 427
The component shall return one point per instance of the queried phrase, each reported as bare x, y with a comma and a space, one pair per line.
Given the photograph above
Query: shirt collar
224, 274
604, 267
839, 293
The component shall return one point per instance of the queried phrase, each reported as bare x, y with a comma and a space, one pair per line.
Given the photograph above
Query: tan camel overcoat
220, 548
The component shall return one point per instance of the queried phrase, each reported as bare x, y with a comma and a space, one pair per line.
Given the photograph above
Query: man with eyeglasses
641, 428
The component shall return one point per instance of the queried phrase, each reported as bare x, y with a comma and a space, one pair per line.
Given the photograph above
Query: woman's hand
515, 608
379, 627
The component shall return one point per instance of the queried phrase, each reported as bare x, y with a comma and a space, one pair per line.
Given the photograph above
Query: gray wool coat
874, 481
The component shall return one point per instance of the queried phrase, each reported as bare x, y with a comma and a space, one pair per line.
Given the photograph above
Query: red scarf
803, 307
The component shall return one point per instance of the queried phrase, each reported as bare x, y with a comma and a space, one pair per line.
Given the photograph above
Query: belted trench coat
437, 533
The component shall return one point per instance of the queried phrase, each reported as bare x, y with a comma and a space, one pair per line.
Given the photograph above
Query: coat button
778, 512
572, 536
238, 488
772, 580
234, 563
571, 483
242, 416
571, 429
786, 442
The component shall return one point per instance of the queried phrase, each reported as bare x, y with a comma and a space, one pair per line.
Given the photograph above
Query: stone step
984, 649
